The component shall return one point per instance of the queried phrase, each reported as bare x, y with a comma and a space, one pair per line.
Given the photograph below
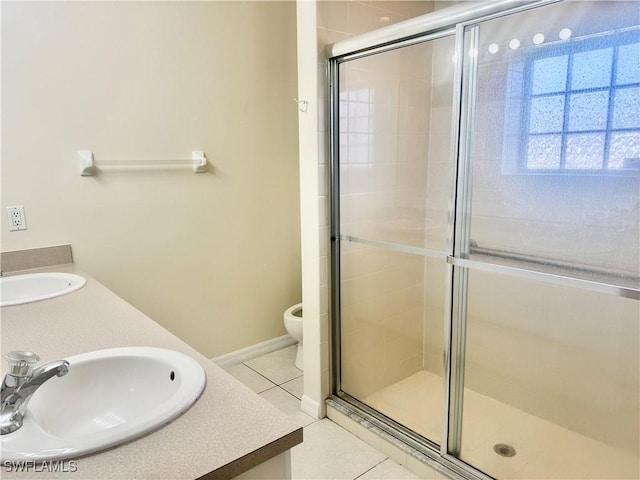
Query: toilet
293, 324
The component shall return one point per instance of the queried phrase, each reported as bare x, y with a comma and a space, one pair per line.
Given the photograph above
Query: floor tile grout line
291, 380
264, 376
291, 395
377, 464
278, 386
313, 420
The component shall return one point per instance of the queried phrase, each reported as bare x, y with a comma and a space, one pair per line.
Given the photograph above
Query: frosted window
626, 110
585, 152
544, 152
580, 103
550, 75
628, 70
624, 151
547, 114
588, 111
591, 69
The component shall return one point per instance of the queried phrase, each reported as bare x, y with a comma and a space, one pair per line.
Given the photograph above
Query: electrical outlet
17, 220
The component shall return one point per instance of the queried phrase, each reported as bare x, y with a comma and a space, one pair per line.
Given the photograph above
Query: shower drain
504, 450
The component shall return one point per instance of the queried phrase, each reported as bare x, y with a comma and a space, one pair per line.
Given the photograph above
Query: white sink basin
32, 287
108, 397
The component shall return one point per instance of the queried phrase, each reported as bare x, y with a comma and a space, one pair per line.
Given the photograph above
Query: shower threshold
543, 449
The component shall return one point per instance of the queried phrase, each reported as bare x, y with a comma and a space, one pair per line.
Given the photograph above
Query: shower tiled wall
382, 327
384, 125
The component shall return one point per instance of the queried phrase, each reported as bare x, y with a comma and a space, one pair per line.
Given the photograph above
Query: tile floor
328, 451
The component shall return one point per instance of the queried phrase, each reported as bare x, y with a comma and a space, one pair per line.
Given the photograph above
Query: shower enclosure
486, 238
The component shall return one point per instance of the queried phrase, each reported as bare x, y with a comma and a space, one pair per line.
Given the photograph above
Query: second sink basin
108, 397
32, 287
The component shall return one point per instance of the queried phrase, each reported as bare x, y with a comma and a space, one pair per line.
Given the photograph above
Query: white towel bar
88, 165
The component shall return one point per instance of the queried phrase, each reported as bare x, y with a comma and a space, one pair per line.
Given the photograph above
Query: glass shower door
547, 262
395, 183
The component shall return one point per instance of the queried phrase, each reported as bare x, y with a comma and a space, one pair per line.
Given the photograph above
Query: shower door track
420, 446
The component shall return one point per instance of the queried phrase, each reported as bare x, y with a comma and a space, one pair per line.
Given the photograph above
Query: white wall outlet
17, 220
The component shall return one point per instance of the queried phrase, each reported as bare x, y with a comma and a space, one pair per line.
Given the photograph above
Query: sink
108, 397
31, 287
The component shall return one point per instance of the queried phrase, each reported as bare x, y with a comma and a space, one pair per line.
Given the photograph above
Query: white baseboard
253, 351
311, 407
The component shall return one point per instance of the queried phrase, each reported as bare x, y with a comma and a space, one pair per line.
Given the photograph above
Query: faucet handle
20, 362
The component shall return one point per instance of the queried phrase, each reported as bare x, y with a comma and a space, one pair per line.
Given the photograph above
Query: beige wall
215, 257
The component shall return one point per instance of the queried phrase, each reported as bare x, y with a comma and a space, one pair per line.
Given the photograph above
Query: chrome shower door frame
457, 245
458, 262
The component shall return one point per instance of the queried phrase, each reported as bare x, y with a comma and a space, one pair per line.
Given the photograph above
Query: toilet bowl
293, 324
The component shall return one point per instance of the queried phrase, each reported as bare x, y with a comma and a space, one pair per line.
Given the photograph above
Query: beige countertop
227, 431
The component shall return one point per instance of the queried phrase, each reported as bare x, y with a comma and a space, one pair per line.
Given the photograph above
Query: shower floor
543, 449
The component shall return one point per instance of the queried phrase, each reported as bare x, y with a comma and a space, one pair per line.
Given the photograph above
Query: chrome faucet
21, 383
